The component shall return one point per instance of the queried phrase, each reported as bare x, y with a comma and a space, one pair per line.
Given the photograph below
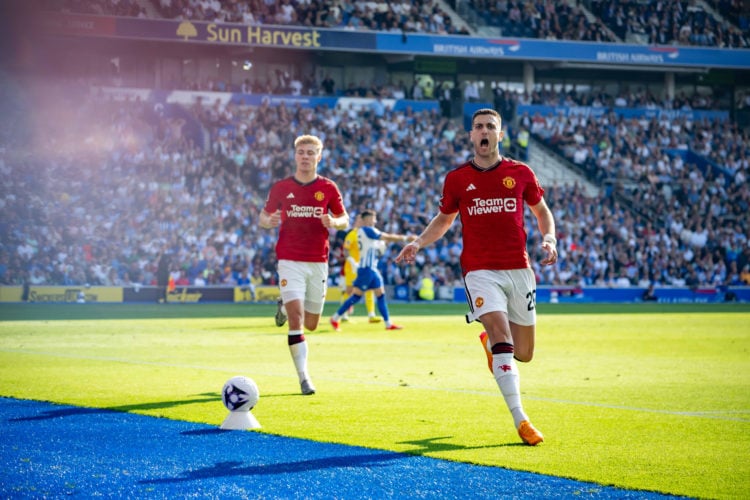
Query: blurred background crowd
96, 189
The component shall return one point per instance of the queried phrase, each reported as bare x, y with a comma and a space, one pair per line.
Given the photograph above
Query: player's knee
523, 357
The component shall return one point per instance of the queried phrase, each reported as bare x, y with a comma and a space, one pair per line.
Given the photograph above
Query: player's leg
293, 283
522, 312
298, 350
383, 309
349, 276
522, 320
370, 305
355, 297
523, 341
489, 304
378, 286
359, 287
281, 316
316, 288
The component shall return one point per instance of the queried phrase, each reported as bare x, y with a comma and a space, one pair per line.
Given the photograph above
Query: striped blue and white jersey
371, 247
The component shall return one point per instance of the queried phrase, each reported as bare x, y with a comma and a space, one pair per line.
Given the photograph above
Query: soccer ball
240, 394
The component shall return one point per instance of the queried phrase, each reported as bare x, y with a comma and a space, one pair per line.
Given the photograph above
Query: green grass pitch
649, 397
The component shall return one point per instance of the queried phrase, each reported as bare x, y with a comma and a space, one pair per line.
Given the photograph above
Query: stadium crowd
419, 16
541, 19
673, 22
111, 184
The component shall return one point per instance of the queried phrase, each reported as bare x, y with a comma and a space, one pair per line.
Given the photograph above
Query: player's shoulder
463, 166
370, 232
326, 181
285, 182
513, 163
460, 169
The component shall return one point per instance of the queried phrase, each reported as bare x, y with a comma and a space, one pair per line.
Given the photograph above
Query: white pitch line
714, 414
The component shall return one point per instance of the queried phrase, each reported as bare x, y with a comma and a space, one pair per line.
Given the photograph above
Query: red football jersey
302, 236
490, 204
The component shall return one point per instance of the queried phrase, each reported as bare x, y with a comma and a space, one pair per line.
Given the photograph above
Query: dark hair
367, 212
486, 111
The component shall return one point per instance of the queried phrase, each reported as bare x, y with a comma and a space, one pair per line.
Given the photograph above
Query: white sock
299, 356
506, 374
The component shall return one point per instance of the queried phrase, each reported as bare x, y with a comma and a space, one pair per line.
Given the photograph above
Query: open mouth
484, 142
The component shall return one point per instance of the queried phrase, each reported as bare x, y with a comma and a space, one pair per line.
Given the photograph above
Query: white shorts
512, 291
305, 281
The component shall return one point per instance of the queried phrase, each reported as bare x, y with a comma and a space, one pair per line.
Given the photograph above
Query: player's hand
326, 220
274, 220
408, 254
551, 249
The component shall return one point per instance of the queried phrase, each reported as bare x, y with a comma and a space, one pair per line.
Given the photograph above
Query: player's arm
437, 227
546, 223
397, 238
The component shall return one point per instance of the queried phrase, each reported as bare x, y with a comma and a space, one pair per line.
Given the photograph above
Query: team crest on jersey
282, 283
509, 182
479, 301
319, 195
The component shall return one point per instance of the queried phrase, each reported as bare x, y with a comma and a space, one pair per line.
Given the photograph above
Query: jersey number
531, 296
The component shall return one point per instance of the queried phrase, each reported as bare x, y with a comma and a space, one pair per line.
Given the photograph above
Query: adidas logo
290, 196
471, 187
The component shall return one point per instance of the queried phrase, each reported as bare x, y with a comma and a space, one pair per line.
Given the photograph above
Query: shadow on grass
207, 397
432, 445
236, 468
156, 405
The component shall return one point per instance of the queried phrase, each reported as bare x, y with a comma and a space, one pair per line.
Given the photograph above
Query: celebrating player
489, 193
371, 247
304, 207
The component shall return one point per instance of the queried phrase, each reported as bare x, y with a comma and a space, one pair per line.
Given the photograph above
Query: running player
489, 192
304, 207
371, 247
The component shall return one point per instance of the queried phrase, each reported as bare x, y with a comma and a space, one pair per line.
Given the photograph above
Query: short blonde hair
308, 139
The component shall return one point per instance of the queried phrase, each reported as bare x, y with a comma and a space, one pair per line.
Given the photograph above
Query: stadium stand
424, 16
667, 23
155, 188
101, 184
526, 19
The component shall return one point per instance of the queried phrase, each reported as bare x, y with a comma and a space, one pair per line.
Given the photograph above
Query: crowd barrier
666, 295
402, 293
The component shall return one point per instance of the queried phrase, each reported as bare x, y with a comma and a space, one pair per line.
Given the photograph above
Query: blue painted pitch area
55, 451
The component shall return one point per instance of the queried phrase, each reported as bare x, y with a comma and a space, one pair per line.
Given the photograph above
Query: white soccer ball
240, 394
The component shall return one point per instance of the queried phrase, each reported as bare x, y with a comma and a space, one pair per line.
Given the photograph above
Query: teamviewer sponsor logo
302, 211
493, 206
